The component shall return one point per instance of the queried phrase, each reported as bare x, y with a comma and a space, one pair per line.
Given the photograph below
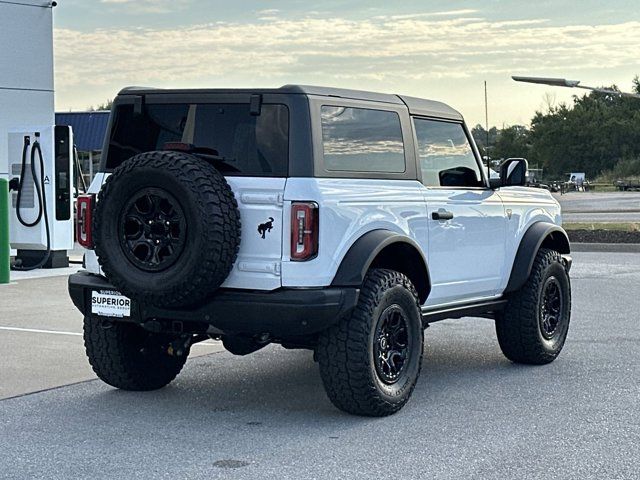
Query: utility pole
486, 123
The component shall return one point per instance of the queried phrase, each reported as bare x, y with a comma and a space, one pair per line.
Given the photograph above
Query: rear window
245, 144
362, 140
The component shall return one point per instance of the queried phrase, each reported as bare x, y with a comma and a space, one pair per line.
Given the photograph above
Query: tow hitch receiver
181, 345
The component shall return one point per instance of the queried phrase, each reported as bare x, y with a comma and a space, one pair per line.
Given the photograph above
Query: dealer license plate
109, 303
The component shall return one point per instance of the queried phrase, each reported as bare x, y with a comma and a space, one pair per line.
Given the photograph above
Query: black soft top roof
416, 106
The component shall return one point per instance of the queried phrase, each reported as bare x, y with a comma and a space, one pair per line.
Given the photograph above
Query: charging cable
40, 194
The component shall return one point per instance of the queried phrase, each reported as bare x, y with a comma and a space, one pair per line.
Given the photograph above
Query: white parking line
57, 332
44, 273
35, 330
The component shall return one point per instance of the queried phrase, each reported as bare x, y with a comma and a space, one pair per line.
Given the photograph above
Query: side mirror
513, 172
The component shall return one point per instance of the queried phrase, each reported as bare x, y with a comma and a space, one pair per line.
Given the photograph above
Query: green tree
512, 142
479, 134
102, 106
592, 135
596, 133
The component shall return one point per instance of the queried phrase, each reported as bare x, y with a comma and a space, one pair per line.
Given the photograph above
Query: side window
362, 140
446, 157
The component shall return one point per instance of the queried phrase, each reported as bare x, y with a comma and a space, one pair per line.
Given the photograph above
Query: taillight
84, 214
304, 230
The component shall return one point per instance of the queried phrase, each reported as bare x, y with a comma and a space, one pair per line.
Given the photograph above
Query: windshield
241, 142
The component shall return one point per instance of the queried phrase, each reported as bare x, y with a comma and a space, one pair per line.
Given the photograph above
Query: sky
441, 50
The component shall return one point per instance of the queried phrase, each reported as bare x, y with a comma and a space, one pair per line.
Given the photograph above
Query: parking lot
600, 206
473, 415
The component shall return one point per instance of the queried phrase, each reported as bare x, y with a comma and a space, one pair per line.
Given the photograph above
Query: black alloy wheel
551, 308
392, 343
533, 326
152, 229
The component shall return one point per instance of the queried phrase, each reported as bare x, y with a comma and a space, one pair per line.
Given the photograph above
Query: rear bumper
280, 313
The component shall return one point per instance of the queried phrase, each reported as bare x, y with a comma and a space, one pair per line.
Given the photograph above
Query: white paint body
26, 107
469, 257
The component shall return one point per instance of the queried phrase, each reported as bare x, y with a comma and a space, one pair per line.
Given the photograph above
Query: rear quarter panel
349, 208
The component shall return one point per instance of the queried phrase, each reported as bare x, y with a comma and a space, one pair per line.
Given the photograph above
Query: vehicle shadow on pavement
258, 409
276, 381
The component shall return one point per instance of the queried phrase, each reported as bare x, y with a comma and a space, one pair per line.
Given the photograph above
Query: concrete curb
629, 210
606, 247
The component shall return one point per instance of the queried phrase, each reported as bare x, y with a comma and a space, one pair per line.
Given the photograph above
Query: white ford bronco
333, 220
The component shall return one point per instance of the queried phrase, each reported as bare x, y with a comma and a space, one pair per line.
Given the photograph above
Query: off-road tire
211, 222
345, 352
127, 357
518, 326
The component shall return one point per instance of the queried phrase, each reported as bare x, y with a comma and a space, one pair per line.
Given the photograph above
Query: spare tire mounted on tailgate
166, 228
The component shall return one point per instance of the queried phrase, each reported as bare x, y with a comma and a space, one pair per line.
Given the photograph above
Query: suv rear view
338, 221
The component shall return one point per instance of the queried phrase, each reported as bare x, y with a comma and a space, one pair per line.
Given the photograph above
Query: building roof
416, 106
89, 128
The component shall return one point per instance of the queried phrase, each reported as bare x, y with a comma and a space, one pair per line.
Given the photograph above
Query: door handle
442, 215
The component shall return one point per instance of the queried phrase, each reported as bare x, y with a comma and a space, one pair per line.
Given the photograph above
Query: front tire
127, 357
370, 361
533, 327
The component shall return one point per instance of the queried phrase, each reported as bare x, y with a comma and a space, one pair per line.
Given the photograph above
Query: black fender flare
363, 252
537, 235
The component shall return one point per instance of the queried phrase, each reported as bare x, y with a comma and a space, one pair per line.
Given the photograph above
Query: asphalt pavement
41, 334
473, 414
600, 206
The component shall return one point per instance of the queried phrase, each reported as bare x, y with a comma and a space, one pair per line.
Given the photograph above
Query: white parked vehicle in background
335, 220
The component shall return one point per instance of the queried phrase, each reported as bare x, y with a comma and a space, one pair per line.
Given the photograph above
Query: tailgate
260, 201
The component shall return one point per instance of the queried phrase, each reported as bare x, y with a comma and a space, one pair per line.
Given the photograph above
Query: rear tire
533, 327
370, 361
127, 357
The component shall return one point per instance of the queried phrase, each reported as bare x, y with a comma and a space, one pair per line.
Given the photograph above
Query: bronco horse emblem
265, 227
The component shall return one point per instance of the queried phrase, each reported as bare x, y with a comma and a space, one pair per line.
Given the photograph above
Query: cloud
148, 6
446, 13
268, 14
464, 11
380, 49
268, 11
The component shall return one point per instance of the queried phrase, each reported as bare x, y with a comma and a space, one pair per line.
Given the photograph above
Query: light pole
562, 82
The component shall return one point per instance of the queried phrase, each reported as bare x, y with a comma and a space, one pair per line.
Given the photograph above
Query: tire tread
344, 358
217, 211
517, 326
112, 355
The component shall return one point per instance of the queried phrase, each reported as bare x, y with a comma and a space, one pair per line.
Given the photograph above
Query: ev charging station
36, 157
